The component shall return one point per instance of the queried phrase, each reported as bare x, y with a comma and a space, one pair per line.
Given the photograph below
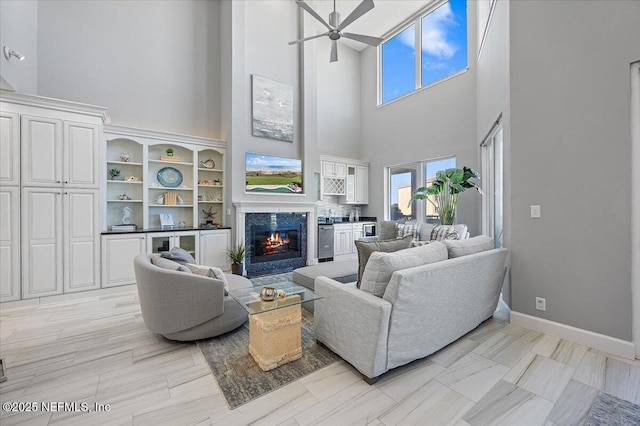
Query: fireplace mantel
244, 207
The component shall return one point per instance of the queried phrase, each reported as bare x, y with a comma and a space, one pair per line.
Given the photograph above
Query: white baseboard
602, 342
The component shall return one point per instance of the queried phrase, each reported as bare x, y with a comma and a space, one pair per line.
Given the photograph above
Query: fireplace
276, 242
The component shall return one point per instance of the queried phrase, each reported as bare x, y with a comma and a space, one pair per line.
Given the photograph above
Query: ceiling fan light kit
335, 27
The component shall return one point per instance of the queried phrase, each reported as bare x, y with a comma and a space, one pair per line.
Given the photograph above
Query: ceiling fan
335, 27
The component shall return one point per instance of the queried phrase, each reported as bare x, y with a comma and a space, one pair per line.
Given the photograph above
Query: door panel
81, 235
42, 151
118, 252
81, 155
9, 244
9, 148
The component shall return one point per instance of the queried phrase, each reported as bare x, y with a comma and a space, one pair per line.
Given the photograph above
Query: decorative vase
236, 268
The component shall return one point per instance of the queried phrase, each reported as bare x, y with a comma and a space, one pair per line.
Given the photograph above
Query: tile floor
97, 350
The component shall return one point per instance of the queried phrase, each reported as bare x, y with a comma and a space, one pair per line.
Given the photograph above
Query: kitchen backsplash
330, 203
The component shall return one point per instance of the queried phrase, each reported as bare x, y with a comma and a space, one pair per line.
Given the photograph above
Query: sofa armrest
354, 324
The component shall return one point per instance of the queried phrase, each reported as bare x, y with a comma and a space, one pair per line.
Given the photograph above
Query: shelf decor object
170, 177
208, 164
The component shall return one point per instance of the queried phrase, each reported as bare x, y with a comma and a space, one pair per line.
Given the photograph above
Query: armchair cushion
211, 272
179, 255
164, 263
382, 265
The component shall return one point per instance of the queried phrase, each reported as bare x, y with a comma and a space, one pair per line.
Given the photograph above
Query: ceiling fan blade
308, 38
362, 8
372, 41
312, 12
334, 51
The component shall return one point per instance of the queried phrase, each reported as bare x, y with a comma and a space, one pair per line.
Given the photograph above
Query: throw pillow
469, 246
381, 265
179, 255
387, 229
161, 262
444, 232
211, 272
461, 229
419, 243
365, 248
424, 231
408, 229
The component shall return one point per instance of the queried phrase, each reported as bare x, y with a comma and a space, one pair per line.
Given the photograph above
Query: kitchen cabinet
342, 239
214, 245
9, 148
357, 185
334, 169
118, 252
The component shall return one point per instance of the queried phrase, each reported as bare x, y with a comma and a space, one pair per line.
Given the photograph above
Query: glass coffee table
275, 327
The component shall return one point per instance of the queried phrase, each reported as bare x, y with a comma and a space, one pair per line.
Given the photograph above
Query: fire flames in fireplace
275, 243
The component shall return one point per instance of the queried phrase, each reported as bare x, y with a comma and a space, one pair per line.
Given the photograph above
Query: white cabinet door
350, 191
81, 236
9, 148
41, 151
362, 185
189, 241
118, 252
358, 233
9, 244
214, 245
340, 170
41, 242
81, 155
158, 242
342, 240
333, 169
327, 169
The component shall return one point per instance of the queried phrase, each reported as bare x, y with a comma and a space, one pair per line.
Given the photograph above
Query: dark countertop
345, 219
175, 229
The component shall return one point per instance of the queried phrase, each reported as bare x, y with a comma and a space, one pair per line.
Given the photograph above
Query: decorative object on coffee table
236, 256
268, 294
445, 190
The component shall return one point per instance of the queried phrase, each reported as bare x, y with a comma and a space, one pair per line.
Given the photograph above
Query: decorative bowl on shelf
208, 164
170, 177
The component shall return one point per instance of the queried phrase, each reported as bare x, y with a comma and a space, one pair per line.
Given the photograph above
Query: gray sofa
422, 309
184, 306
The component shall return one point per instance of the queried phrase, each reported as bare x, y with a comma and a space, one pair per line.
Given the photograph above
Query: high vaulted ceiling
386, 15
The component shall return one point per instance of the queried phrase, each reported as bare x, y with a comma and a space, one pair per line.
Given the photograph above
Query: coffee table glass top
249, 297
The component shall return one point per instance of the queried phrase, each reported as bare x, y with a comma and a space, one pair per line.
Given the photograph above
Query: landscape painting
272, 107
265, 173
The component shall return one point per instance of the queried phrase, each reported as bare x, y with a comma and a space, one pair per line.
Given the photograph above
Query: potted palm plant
446, 188
236, 256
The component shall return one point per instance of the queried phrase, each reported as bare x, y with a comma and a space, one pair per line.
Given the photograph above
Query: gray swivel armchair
185, 306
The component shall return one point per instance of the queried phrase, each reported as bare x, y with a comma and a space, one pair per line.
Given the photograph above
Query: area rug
612, 411
238, 375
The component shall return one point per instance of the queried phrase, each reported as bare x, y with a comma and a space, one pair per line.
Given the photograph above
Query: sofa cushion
458, 248
387, 229
179, 255
444, 232
365, 248
161, 262
381, 265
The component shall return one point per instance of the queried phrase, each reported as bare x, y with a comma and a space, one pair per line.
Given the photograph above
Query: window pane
444, 41
430, 170
402, 182
398, 64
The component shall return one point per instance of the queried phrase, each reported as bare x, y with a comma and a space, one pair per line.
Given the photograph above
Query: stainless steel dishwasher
325, 243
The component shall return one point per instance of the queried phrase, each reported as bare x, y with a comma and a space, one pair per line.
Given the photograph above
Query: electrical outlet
541, 303
228, 212
535, 212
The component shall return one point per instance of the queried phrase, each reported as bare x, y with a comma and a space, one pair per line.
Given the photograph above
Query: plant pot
236, 268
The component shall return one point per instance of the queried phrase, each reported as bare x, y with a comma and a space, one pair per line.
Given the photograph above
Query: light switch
535, 212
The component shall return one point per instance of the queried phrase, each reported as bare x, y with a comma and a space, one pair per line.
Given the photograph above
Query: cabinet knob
66, 193
66, 181
58, 181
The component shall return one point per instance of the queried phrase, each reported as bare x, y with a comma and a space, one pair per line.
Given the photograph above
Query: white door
41, 151
214, 246
41, 242
362, 185
9, 244
9, 148
118, 252
81, 240
328, 169
340, 170
350, 185
157, 242
81, 155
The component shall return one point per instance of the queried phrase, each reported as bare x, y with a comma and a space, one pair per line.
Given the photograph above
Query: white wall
439, 121
338, 91
570, 154
154, 64
18, 30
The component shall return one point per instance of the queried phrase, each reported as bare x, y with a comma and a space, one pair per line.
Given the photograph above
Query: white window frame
417, 21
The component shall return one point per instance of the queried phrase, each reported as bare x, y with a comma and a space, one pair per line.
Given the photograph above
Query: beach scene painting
272, 107
265, 173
